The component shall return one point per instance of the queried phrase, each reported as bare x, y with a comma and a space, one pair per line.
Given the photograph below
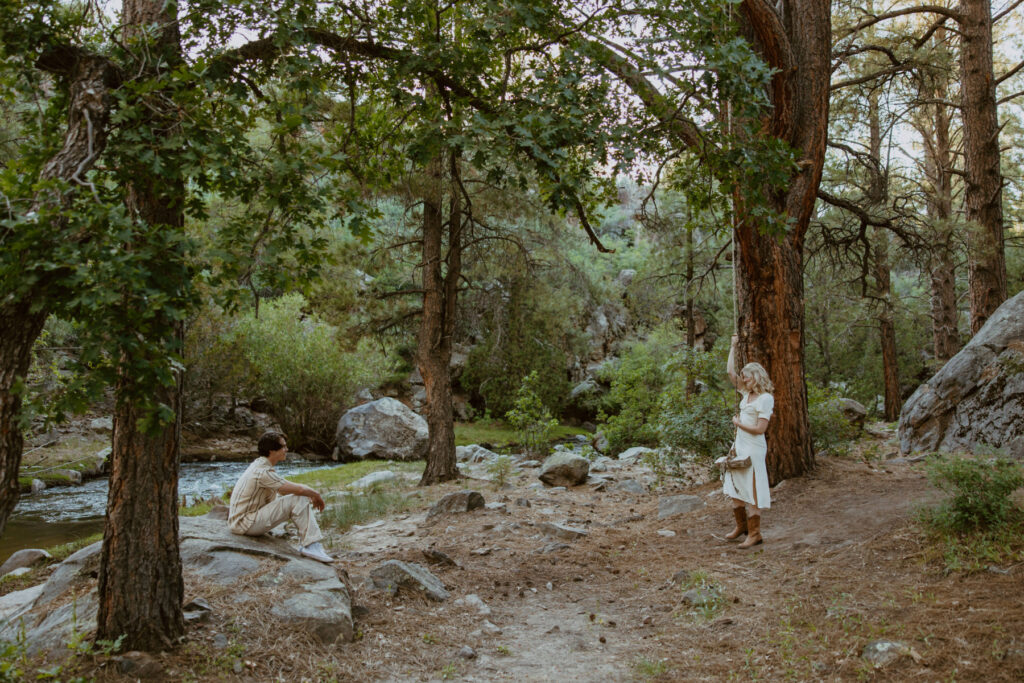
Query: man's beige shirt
256, 487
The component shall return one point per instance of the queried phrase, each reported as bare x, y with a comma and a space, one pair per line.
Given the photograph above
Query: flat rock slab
459, 501
677, 505
880, 653
394, 574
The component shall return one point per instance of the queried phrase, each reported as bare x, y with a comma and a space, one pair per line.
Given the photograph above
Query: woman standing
750, 486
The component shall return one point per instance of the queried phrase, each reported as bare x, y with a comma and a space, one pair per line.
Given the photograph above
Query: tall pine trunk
938, 163
770, 269
140, 583
984, 181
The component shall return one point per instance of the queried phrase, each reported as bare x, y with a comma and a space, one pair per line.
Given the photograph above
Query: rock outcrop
978, 396
384, 429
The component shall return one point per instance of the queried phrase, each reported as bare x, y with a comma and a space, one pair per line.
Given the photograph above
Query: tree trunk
770, 276
438, 322
21, 328
140, 584
941, 263
23, 314
984, 182
877, 195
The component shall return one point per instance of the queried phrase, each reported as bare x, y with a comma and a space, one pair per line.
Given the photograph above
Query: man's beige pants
299, 509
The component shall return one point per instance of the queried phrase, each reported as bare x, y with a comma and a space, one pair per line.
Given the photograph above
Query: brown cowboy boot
753, 532
741, 524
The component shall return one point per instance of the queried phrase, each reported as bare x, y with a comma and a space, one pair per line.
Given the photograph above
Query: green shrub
637, 380
830, 430
980, 492
299, 365
700, 423
530, 418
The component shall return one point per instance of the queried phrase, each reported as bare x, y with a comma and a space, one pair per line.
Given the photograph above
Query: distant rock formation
978, 396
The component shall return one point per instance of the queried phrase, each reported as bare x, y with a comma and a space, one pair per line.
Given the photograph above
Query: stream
67, 513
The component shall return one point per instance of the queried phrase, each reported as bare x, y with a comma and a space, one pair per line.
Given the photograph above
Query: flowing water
67, 513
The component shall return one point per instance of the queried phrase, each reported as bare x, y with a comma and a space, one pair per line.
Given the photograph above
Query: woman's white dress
743, 484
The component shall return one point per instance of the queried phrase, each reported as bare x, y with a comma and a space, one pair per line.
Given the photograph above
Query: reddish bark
984, 182
770, 275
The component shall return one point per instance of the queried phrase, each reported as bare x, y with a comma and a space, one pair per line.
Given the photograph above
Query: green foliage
500, 469
701, 421
523, 334
637, 380
980, 490
830, 430
530, 418
298, 364
339, 476
979, 525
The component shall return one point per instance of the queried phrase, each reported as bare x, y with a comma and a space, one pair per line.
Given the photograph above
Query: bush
980, 491
830, 430
530, 418
700, 423
637, 380
297, 363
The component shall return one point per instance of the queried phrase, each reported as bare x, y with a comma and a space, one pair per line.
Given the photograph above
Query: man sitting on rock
256, 508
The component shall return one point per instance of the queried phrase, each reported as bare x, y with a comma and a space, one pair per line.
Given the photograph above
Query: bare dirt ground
843, 564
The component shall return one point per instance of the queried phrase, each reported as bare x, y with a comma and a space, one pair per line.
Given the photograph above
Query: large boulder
564, 469
384, 429
978, 396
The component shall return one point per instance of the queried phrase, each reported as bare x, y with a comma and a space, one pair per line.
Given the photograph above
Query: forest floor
844, 563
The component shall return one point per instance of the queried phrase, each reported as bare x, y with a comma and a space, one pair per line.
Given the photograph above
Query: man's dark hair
270, 441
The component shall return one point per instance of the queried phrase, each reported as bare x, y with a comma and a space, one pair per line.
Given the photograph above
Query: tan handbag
733, 461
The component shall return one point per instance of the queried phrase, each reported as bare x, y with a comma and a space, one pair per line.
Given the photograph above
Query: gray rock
880, 653
52, 634
458, 501
491, 629
327, 614
74, 477
497, 507
473, 601
437, 557
523, 502
139, 665
978, 396
474, 454
562, 531
77, 567
223, 567
600, 442
529, 463
854, 412
625, 277
221, 642
466, 652
635, 453
102, 425
383, 429
677, 505
564, 469
374, 479
394, 574
14, 605
630, 486
38, 485
667, 533
24, 558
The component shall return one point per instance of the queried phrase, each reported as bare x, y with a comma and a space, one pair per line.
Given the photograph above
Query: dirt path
842, 565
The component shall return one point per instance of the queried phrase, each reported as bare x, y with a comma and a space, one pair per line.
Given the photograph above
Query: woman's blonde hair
762, 383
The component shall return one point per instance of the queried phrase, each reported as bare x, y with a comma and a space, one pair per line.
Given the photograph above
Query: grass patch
500, 435
646, 669
363, 507
707, 597
341, 476
65, 550
196, 509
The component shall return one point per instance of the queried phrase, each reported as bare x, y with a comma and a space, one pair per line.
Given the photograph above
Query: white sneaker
316, 552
